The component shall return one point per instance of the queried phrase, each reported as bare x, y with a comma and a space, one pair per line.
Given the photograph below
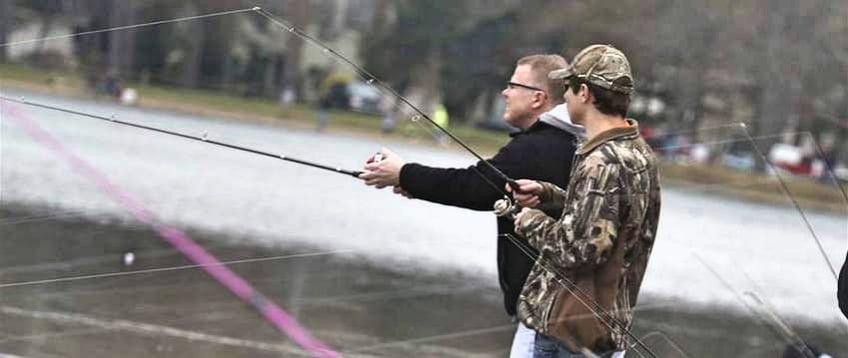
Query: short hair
606, 101
541, 65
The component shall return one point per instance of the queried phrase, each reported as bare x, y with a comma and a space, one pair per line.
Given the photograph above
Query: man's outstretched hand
385, 172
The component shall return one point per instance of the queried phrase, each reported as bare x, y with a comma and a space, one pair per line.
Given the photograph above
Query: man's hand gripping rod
507, 207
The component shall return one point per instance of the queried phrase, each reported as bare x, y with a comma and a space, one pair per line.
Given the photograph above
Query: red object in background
805, 167
646, 132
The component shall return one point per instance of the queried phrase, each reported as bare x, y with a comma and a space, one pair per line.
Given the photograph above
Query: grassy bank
226, 105
809, 194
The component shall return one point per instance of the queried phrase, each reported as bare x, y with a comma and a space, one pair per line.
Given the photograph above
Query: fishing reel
506, 207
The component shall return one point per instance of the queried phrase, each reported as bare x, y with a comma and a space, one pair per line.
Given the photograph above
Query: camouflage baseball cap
602, 65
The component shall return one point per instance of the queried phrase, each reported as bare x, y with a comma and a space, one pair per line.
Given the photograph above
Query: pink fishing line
273, 313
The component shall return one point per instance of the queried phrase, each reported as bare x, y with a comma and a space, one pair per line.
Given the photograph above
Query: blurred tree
298, 12
7, 15
90, 50
48, 10
154, 44
778, 77
786, 67
681, 69
410, 50
832, 104
220, 37
121, 42
191, 40
479, 61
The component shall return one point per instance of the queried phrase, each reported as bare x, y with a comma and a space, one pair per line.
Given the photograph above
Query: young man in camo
580, 293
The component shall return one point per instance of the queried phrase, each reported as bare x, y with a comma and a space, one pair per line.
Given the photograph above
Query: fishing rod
370, 79
127, 27
670, 341
182, 243
780, 326
503, 207
203, 139
765, 315
788, 193
373, 80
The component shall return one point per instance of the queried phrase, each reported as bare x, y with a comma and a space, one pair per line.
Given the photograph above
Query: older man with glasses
542, 150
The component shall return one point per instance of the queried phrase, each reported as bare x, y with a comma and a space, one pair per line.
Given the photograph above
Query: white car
364, 97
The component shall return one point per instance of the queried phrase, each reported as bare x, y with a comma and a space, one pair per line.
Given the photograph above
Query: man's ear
539, 98
585, 94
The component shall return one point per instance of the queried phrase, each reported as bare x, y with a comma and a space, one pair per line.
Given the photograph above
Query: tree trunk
194, 38
775, 106
46, 25
121, 42
7, 14
298, 11
381, 18
427, 83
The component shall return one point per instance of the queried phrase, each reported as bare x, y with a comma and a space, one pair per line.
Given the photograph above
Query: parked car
364, 97
739, 160
352, 95
337, 96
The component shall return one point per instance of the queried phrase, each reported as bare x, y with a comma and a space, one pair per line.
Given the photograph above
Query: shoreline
724, 181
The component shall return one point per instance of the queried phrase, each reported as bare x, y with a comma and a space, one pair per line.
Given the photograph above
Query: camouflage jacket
592, 260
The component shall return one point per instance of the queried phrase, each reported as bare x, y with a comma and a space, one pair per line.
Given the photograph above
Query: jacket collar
533, 127
611, 134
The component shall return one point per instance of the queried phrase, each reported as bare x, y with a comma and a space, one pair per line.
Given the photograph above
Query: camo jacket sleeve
585, 234
552, 195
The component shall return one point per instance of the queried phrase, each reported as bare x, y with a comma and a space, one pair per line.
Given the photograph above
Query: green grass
809, 193
244, 108
18, 75
230, 105
304, 115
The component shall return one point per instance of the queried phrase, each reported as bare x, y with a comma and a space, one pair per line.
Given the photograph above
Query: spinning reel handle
506, 208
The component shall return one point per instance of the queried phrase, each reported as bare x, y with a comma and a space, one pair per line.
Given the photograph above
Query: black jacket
542, 152
843, 288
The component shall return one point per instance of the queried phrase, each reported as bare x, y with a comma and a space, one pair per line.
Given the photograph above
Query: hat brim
560, 74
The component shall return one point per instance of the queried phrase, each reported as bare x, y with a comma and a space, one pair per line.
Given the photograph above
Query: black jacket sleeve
466, 187
843, 288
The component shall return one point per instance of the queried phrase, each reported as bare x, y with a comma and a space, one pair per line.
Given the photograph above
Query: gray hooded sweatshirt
558, 117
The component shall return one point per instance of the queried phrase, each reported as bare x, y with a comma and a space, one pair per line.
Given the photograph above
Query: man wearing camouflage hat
581, 291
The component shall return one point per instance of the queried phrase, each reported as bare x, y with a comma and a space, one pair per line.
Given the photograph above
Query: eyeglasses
513, 85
